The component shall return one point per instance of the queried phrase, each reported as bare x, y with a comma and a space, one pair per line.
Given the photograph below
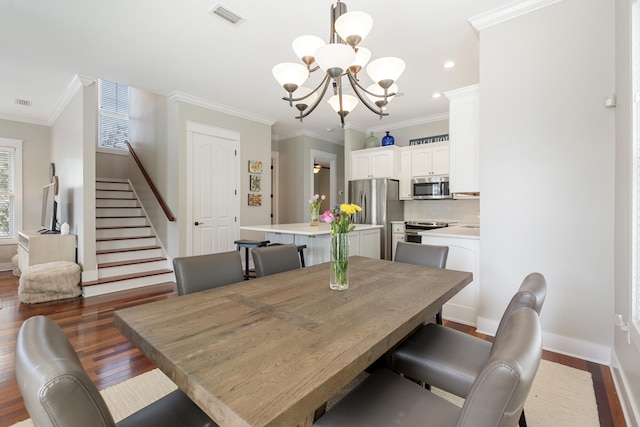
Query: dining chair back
269, 260
200, 272
58, 392
496, 398
427, 255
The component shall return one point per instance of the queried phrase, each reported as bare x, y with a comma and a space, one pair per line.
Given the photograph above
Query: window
113, 127
10, 190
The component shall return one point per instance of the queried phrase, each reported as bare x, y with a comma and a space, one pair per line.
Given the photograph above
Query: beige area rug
560, 396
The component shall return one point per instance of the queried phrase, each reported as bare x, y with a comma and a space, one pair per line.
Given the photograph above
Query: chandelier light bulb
306, 46
376, 89
353, 27
290, 75
349, 102
334, 58
362, 57
308, 95
385, 71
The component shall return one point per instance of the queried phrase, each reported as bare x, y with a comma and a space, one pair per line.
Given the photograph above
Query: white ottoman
49, 282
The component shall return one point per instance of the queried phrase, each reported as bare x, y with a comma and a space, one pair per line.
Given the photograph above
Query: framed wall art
255, 166
254, 182
255, 199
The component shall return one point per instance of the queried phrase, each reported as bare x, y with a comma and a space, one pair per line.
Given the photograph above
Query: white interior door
213, 191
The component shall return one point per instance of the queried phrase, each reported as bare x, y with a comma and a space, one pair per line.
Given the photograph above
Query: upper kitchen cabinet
380, 162
430, 159
464, 139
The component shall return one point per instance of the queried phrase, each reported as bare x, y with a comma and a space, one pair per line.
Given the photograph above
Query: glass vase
387, 139
339, 275
315, 215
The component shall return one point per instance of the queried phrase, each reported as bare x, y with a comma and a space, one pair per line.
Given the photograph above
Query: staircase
127, 251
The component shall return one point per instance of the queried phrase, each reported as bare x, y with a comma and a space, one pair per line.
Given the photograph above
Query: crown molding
22, 119
507, 12
205, 103
410, 123
78, 82
310, 134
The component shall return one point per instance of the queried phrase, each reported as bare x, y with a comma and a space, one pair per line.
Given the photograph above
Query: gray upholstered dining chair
496, 398
451, 360
427, 255
201, 272
275, 259
58, 392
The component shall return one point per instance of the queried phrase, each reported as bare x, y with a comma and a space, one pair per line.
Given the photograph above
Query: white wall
109, 165
73, 142
547, 168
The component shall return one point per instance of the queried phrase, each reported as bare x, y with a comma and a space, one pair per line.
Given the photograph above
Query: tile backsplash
466, 211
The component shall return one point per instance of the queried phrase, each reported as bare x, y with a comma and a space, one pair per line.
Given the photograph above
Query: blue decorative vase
387, 140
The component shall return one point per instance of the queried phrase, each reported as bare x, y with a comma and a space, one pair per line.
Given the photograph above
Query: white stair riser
125, 243
112, 186
116, 203
108, 233
128, 255
110, 194
122, 285
102, 212
120, 222
131, 269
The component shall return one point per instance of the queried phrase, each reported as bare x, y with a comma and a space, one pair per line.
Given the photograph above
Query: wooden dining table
271, 351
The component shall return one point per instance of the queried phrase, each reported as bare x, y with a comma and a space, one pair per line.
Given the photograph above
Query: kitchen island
363, 241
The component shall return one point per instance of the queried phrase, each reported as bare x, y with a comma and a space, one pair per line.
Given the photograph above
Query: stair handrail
155, 191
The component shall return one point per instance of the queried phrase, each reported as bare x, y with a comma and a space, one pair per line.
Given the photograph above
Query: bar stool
246, 244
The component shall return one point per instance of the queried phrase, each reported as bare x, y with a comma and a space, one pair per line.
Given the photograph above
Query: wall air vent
23, 102
227, 15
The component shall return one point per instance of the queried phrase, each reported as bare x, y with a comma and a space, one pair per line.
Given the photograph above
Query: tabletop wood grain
270, 351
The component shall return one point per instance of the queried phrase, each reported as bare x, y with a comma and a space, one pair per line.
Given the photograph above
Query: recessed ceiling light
449, 64
329, 130
436, 95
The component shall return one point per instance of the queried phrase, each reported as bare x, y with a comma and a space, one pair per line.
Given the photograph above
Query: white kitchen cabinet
430, 159
379, 162
464, 138
370, 243
397, 235
464, 255
405, 174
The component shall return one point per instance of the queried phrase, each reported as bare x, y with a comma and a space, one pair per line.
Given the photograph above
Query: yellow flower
350, 209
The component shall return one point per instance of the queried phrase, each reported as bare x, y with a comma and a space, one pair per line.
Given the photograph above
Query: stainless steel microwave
430, 187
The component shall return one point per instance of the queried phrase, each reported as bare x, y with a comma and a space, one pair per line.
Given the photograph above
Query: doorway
324, 176
212, 182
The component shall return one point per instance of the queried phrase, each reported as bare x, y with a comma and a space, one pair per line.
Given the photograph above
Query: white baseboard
7, 266
560, 344
625, 396
460, 314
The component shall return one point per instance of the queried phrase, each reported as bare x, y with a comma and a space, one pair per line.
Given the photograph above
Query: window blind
7, 193
113, 115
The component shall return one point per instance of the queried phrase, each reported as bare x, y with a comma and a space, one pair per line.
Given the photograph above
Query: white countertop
464, 231
301, 228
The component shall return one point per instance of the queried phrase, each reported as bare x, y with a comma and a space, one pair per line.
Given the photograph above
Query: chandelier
340, 58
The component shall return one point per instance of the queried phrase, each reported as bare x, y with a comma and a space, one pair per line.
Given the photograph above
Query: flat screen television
48, 222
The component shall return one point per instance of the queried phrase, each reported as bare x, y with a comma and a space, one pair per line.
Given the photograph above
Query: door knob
197, 223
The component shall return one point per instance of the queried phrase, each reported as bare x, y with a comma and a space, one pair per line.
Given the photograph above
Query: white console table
35, 248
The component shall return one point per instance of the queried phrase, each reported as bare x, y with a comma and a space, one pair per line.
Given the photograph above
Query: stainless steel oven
412, 228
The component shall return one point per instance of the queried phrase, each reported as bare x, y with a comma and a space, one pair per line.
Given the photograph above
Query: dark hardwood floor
109, 358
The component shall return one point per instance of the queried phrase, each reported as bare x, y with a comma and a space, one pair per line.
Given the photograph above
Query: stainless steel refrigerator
380, 203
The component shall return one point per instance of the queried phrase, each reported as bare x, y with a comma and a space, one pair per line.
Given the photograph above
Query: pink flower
327, 217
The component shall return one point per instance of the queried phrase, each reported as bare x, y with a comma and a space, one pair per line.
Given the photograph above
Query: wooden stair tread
109, 239
131, 262
126, 277
139, 248
122, 226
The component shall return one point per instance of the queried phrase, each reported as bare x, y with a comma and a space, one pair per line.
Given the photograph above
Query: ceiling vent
23, 102
227, 15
